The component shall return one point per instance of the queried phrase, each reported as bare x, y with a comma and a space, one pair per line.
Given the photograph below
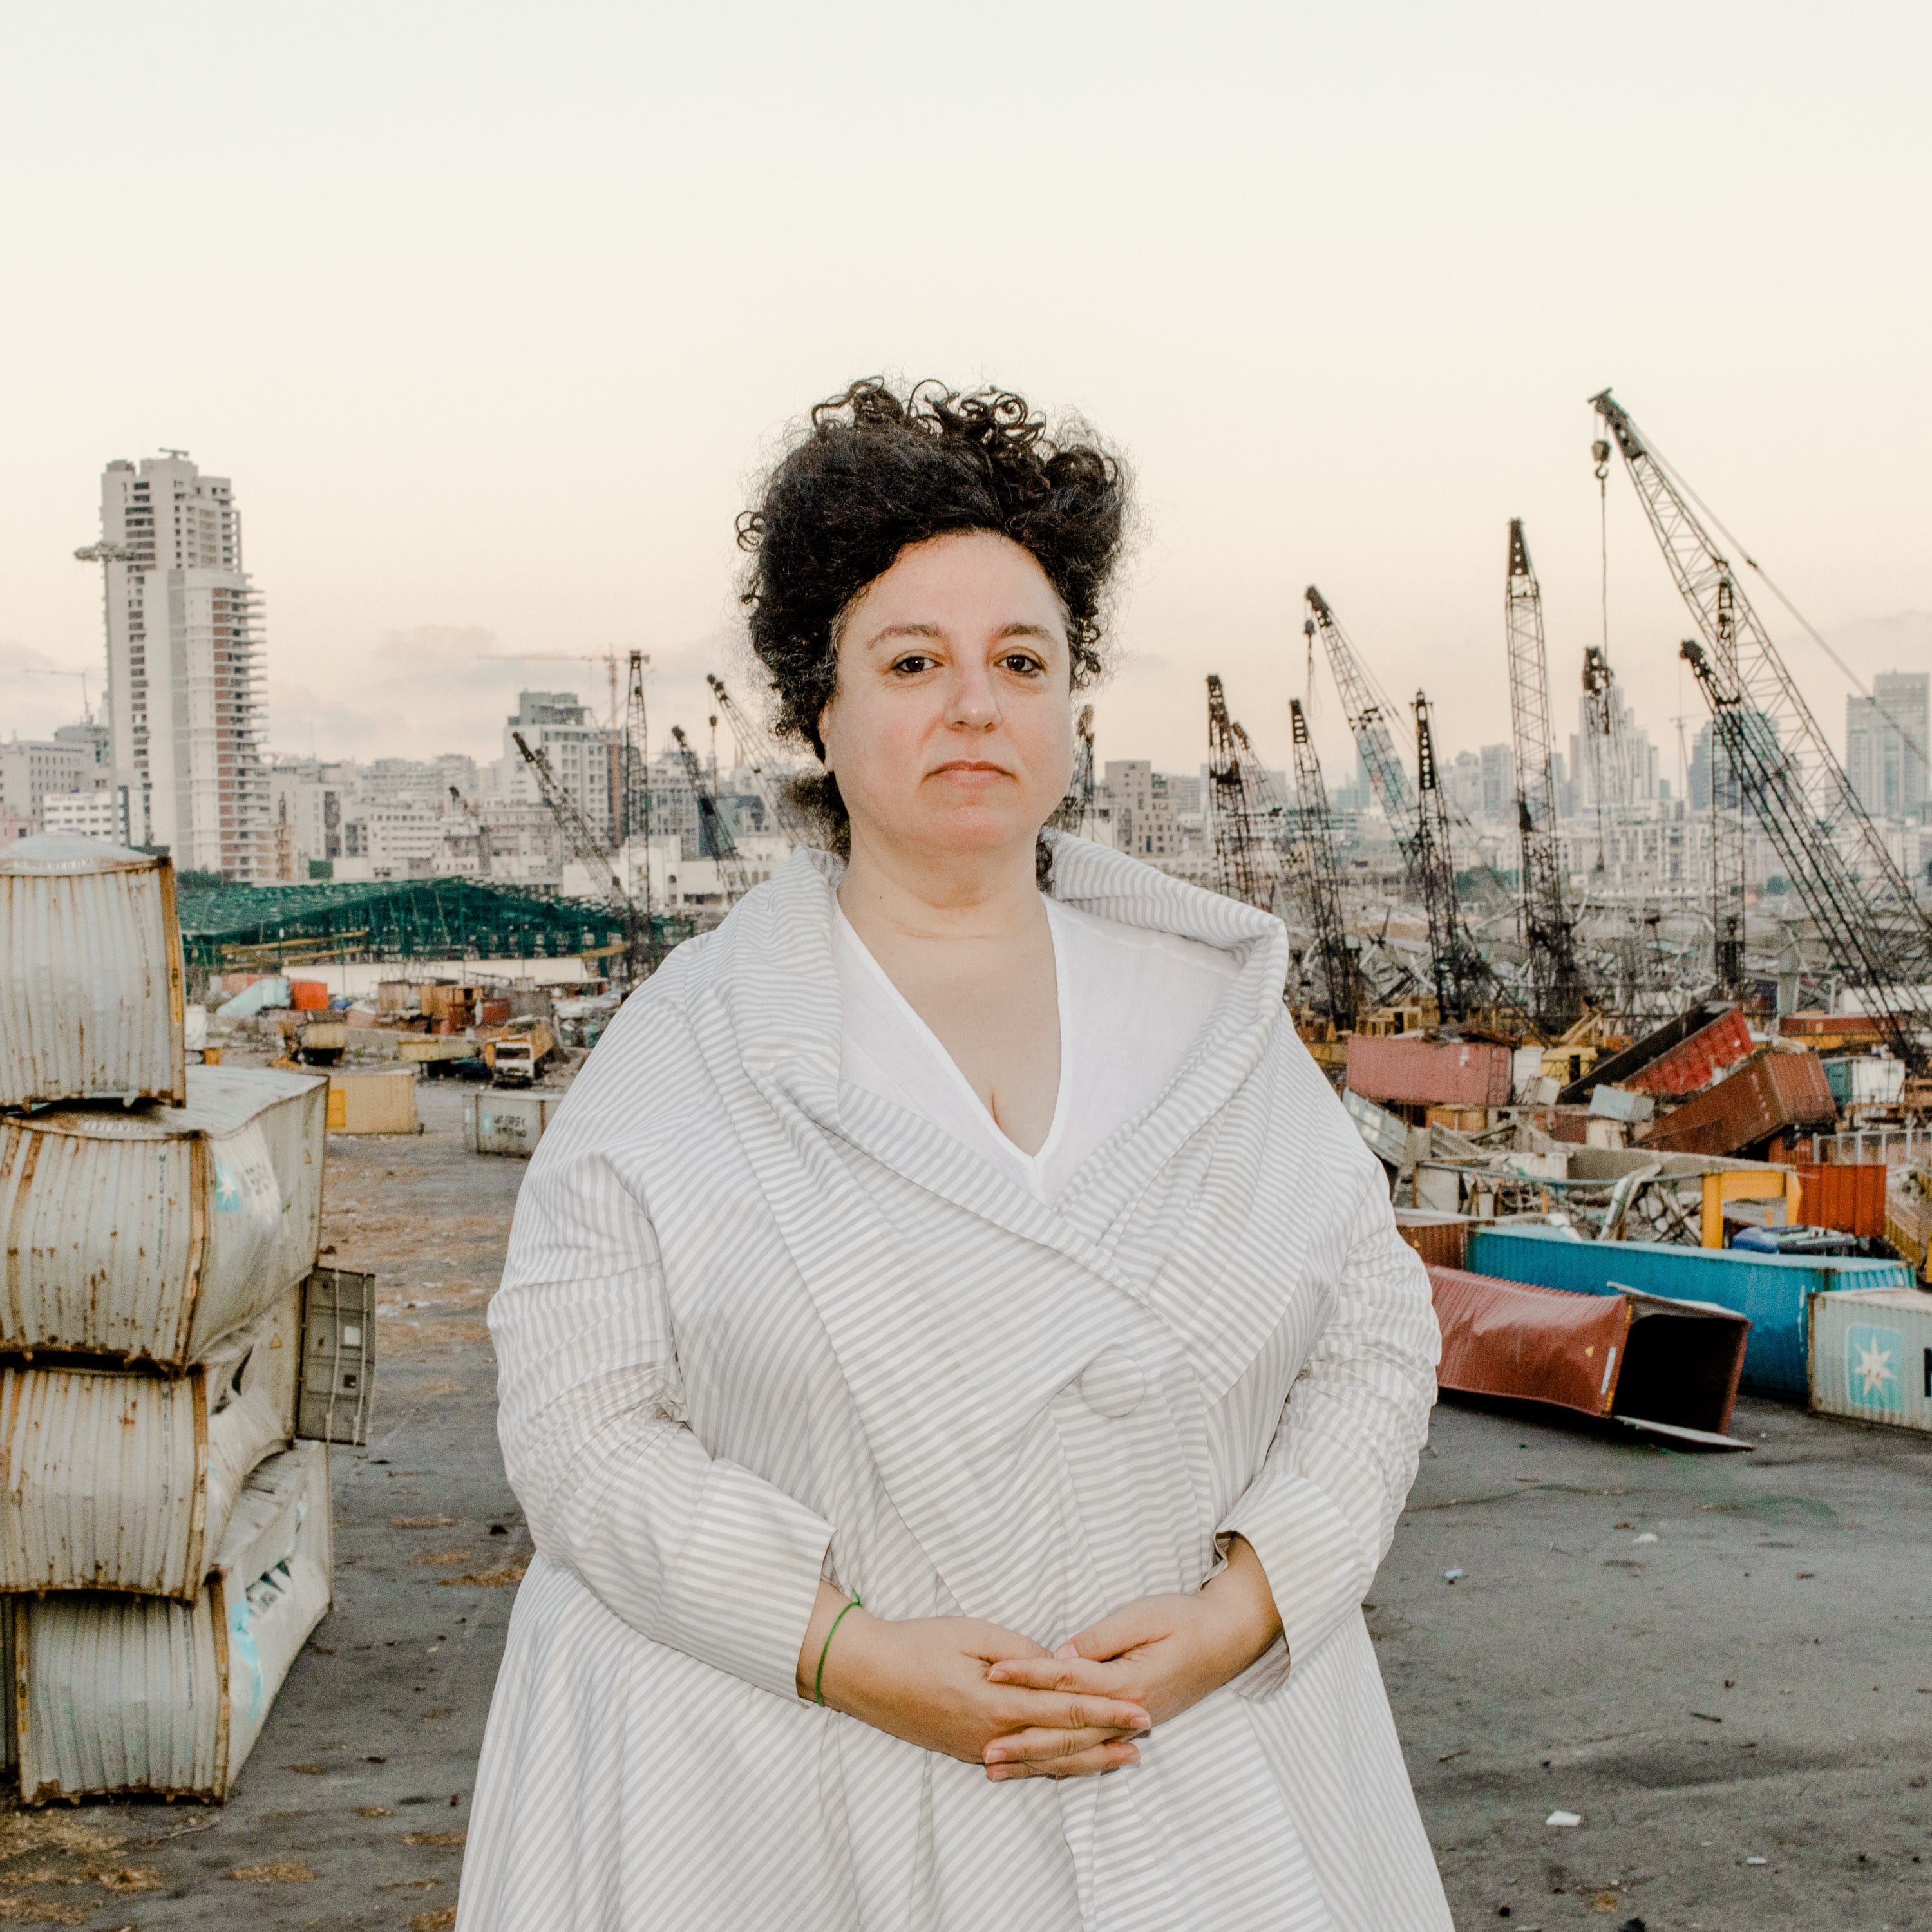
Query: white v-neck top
1132, 1003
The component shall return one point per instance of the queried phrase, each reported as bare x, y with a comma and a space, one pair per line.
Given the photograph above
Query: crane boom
1367, 719
1075, 812
1877, 935
1461, 971
1313, 862
715, 835
755, 747
1238, 807
1556, 978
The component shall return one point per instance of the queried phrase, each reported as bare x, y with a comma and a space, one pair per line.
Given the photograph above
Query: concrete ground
1755, 1683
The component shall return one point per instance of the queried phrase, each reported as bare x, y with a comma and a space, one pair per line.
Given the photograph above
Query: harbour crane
1367, 718
1420, 825
1557, 980
1075, 812
1877, 935
1241, 809
583, 844
714, 835
1461, 972
756, 751
1312, 863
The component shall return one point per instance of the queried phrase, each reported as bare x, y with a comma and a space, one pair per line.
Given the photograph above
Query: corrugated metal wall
1852, 1198
1871, 1357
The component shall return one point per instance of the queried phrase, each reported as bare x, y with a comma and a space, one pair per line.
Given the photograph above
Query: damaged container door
148, 1236
126, 1695
91, 1000
338, 1357
123, 1479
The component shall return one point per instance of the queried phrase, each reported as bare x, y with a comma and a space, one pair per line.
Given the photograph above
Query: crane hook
1599, 454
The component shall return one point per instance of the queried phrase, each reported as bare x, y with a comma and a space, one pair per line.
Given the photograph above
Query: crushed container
92, 1004
147, 1235
119, 1479
116, 1695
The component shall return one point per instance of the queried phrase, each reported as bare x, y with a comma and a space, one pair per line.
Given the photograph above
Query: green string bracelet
818, 1682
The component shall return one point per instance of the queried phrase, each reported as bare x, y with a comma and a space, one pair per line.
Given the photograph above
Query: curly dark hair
877, 472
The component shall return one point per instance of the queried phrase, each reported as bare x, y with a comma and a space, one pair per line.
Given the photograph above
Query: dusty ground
1755, 1683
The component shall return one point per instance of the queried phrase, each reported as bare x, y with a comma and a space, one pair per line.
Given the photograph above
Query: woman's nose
970, 703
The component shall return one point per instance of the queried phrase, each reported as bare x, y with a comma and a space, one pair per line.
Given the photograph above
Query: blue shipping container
1773, 1291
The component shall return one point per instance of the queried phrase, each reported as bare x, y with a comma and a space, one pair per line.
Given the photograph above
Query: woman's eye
1023, 662
912, 663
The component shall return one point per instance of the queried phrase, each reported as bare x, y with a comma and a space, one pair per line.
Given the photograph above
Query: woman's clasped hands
975, 1691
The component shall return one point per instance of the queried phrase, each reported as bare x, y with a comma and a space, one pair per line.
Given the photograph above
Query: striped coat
756, 1329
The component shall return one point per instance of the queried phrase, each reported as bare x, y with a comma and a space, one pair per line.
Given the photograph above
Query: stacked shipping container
164, 1537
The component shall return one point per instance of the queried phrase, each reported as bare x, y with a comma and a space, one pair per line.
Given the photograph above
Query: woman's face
951, 728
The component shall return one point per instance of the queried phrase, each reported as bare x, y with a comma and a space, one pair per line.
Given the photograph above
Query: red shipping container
1849, 1198
1441, 1240
1691, 1066
1672, 1366
493, 1012
1773, 1093
1429, 1072
309, 996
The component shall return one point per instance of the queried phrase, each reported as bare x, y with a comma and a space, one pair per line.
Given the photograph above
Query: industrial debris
168, 1340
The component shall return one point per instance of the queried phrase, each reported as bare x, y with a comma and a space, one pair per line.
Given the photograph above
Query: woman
957, 1357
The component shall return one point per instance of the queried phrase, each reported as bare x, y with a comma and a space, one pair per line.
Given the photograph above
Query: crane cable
1810, 629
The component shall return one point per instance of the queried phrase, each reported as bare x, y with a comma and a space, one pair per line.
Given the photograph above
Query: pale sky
492, 312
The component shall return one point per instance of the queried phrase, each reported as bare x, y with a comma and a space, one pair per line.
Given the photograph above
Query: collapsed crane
1876, 934
715, 839
1313, 866
1075, 812
755, 749
1559, 989
1245, 815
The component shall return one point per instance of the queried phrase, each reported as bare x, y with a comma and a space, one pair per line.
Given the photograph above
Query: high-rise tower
185, 709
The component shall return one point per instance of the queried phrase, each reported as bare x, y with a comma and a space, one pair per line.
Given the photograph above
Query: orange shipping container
309, 996
1849, 1198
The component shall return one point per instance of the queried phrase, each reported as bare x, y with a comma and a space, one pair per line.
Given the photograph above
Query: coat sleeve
691, 1550
1321, 1511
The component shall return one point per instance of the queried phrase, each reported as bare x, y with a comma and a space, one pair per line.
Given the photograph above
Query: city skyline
489, 392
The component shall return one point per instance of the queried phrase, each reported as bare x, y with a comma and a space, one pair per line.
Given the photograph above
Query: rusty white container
127, 1694
91, 1002
118, 1479
148, 1234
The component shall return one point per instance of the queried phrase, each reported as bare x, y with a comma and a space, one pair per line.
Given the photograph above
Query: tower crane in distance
1557, 980
1075, 812
715, 835
1420, 825
583, 844
1240, 808
1312, 858
1462, 974
1877, 935
755, 749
